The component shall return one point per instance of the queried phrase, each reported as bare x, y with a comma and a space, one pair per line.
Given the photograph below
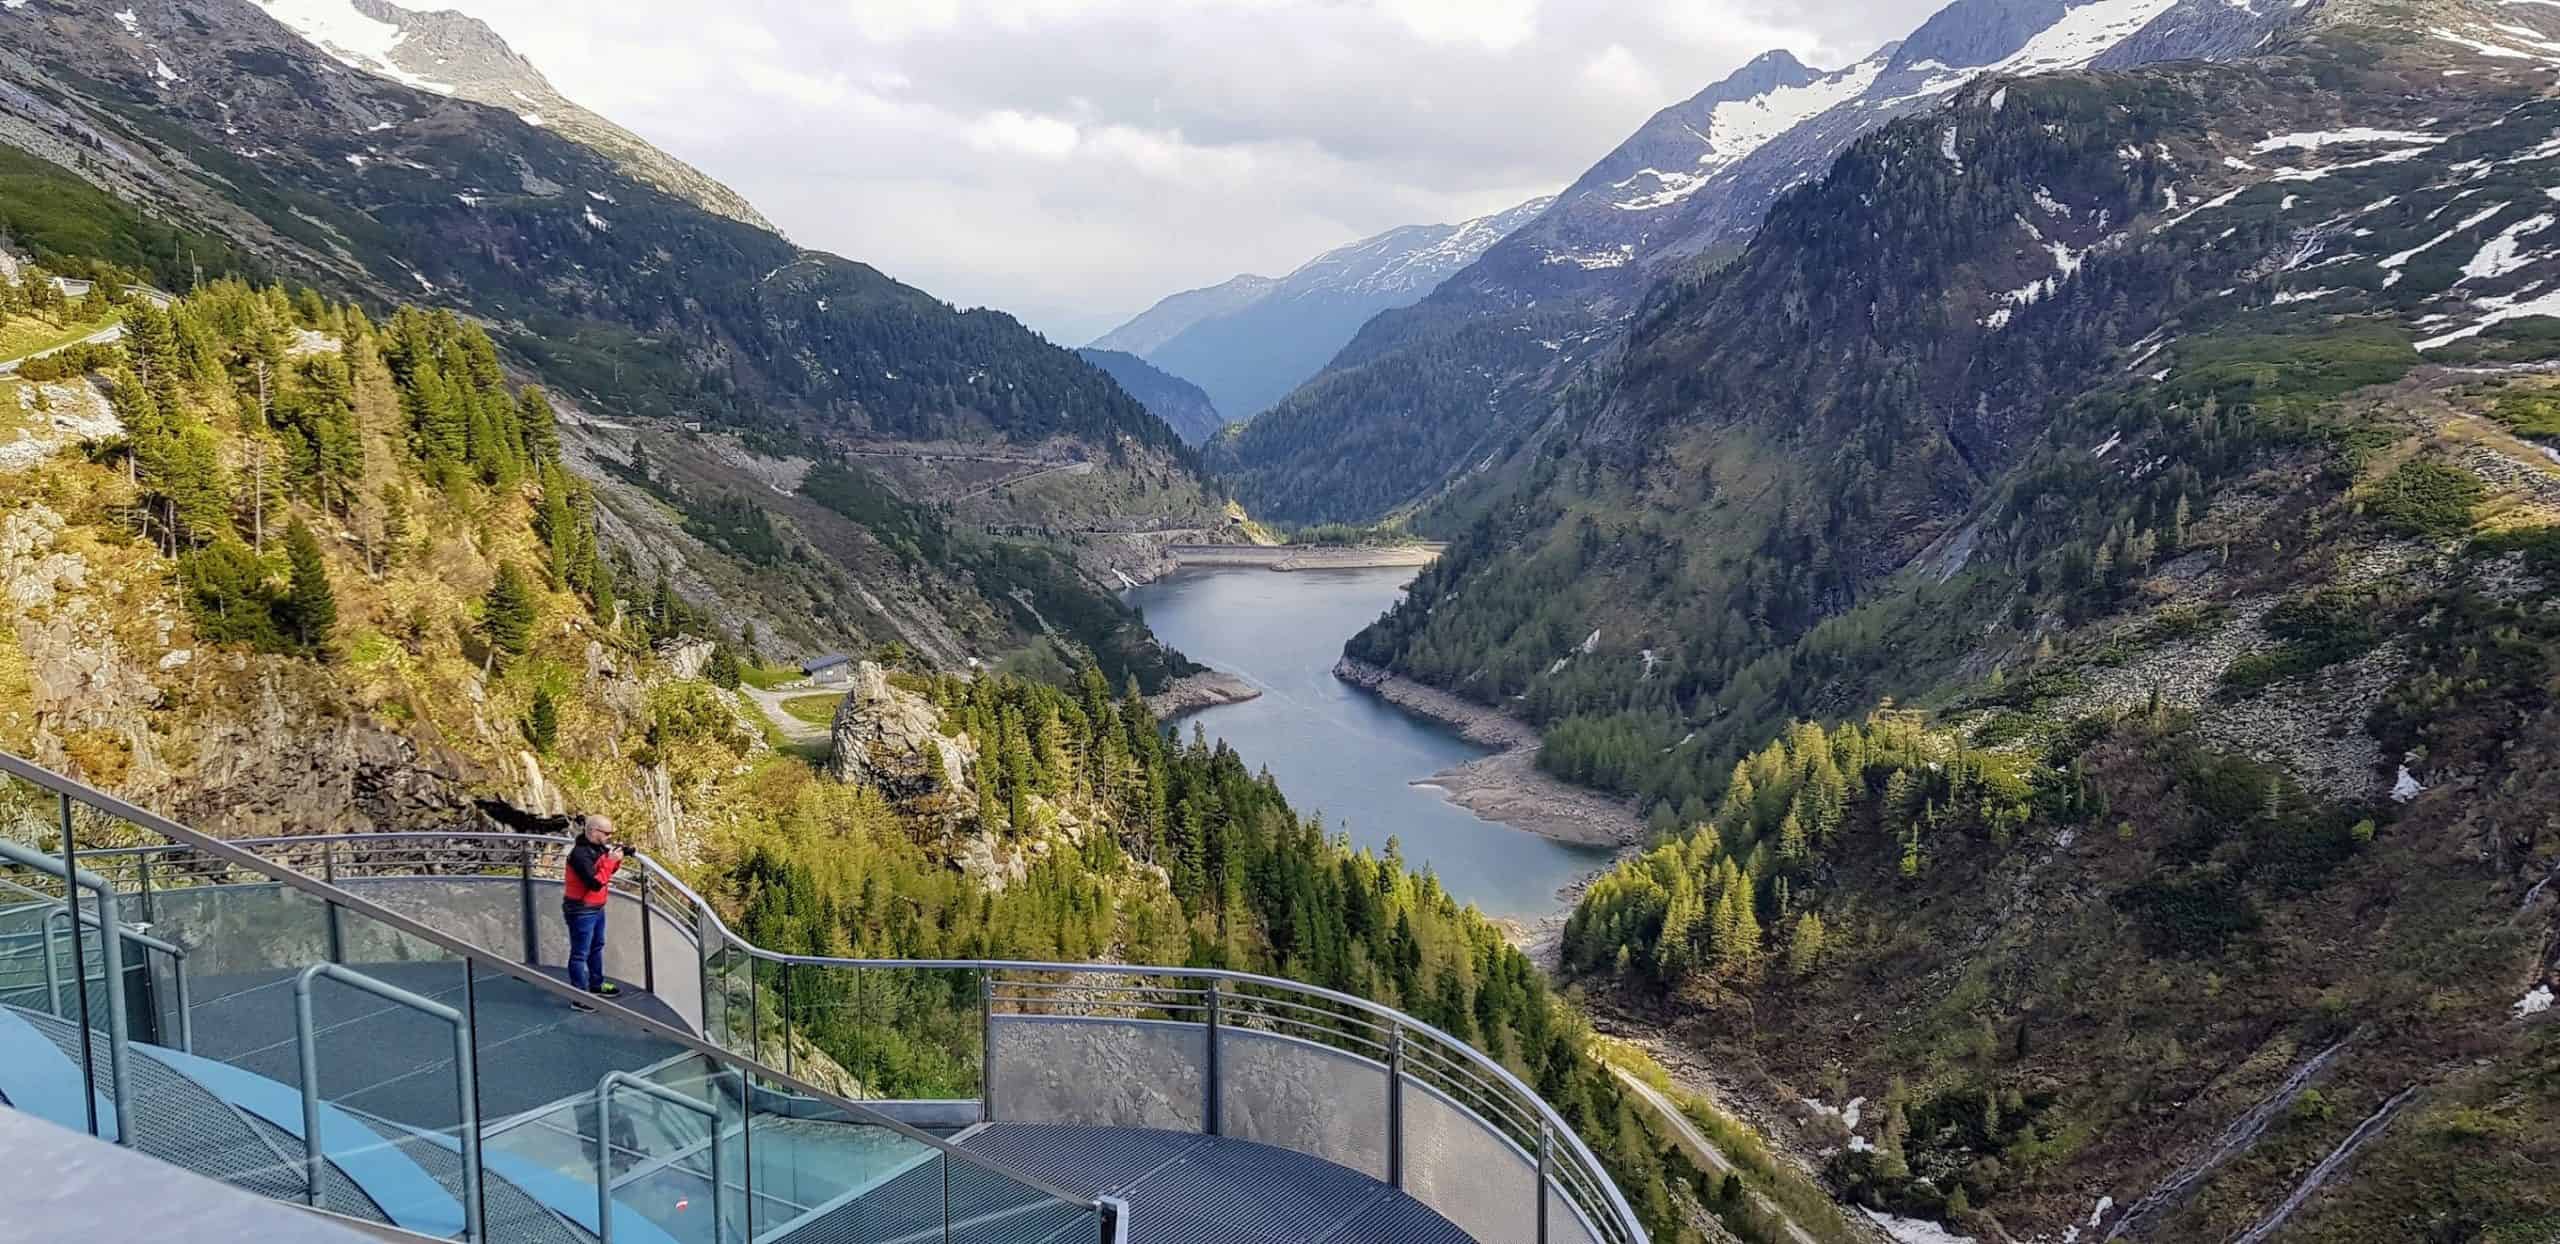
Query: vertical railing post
478, 1210
1546, 1146
186, 1008
746, 1149
80, 967
149, 912
524, 884
466, 1096
782, 984
1395, 1106
337, 925
986, 1041
648, 937
755, 1016
53, 1003
1209, 1120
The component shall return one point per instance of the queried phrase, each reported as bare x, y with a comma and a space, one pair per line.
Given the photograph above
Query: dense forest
1187, 857
1355, 442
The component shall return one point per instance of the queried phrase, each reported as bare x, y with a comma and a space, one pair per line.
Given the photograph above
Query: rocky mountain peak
454, 54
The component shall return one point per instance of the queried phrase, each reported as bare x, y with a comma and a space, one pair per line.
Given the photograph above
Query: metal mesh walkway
180, 1121
1215, 1190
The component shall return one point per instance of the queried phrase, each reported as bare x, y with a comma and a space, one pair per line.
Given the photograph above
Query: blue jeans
586, 947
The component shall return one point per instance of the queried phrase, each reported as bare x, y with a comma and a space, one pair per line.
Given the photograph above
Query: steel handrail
466, 1094
1495, 1080
75, 880
604, 1147
1488, 1073
238, 856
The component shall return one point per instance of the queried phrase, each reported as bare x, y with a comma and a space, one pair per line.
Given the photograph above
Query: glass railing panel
905, 1033
222, 1022
810, 1161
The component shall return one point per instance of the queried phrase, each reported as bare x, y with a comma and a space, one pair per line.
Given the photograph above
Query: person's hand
615, 851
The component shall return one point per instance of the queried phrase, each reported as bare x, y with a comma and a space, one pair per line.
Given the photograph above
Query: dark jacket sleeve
582, 861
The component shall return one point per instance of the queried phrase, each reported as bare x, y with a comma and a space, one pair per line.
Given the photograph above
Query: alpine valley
2052, 525
2051, 530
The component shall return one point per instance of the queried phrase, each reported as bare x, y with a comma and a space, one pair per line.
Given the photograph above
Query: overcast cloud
1072, 161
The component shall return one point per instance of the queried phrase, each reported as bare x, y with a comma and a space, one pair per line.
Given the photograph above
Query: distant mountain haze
1249, 340
1171, 398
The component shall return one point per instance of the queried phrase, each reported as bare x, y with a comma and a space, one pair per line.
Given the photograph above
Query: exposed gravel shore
1506, 786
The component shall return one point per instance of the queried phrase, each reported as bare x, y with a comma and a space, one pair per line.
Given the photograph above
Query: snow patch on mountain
1744, 126
350, 38
2083, 34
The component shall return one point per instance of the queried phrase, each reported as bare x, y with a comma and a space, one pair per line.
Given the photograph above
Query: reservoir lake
1339, 750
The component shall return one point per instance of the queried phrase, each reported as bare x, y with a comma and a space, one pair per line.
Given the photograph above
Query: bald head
595, 827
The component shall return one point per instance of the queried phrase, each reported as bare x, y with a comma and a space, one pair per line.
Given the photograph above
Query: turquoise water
1337, 749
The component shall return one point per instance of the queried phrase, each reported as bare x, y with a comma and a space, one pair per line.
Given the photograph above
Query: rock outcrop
686, 656
891, 740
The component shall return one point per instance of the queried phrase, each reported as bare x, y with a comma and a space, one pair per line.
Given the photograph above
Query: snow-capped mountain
1249, 340
1702, 172
1488, 347
447, 53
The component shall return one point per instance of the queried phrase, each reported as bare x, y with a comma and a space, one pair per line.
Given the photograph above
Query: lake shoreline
1506, 787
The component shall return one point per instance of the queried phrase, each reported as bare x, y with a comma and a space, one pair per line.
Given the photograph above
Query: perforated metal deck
1215, 1190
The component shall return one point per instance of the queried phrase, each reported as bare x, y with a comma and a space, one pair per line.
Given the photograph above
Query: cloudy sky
1072, 161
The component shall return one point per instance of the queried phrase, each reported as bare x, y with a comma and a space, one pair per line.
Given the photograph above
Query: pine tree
542, 723
310, 607
1804, 949
507, 620
723, 669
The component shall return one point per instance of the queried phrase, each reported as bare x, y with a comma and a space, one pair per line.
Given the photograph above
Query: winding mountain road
113, 332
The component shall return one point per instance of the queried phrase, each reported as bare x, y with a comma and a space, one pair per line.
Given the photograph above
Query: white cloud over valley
1073, 160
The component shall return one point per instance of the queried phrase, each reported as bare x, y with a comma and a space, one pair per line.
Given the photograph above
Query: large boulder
892, 741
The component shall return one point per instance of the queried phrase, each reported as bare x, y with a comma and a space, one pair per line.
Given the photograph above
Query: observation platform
391, 1041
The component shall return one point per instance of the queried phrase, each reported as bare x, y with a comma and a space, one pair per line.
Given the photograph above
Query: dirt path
112, 332
792, 728
1703, 1151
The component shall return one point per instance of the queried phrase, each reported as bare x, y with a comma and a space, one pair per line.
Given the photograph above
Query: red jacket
589, 870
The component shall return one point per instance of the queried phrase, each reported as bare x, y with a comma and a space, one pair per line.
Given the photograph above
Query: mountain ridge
1250, 339
1173, 399
1687, 187
451, 53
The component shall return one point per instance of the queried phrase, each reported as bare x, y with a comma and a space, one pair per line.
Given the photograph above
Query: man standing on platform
592, 861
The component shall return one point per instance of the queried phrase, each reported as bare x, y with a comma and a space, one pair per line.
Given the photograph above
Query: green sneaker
606, 990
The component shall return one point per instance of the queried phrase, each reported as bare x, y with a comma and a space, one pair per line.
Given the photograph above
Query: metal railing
184, 861
306, 1046
74, 879
604, 1148
747, 1000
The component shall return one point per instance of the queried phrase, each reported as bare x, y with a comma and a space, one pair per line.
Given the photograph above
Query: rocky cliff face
234, 743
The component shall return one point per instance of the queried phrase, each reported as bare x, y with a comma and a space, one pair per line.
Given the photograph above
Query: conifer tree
310, 606
507, 620
542, 721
